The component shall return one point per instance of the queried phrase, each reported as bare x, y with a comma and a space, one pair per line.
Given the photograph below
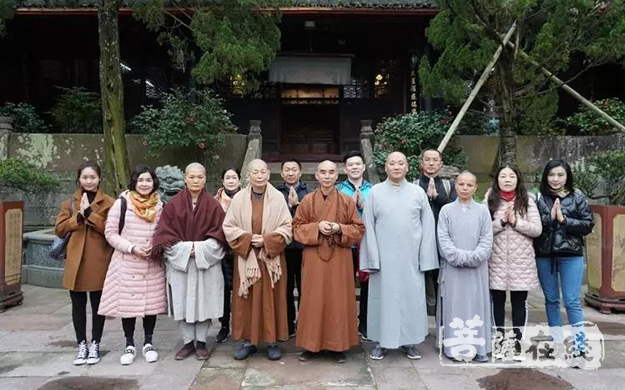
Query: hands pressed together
432, 193
329, 228
556, 211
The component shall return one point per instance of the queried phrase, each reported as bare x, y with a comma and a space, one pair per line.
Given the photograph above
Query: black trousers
227, 267
149, 323
364, 296
519, 310
79, 315
293, 277
431, 290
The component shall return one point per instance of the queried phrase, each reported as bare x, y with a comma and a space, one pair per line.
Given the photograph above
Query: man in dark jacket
440, 192
294, 191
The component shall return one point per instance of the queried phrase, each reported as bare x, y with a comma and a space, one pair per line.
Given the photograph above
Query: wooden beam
476, 89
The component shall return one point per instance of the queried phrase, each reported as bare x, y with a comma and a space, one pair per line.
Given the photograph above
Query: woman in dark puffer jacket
566, 218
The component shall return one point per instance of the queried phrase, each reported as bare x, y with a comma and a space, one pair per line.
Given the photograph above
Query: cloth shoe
94, 353
186, 351
244, 352
201, 352
222, 336
306, 356
363, 333
339, 357
149, 353
274, 352
377, 352
411, 352
518, 355
81, 355
480, 359
128, 356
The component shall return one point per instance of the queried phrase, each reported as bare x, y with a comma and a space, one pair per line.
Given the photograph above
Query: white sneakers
149, 353
81, 356
128, 356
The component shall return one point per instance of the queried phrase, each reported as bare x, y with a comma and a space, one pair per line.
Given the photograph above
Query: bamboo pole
570, 90
476, 89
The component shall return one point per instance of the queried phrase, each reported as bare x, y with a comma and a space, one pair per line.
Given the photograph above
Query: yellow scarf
145, 208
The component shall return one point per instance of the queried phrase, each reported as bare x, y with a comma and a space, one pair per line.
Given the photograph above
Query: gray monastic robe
196, 283
465, 237
398, 246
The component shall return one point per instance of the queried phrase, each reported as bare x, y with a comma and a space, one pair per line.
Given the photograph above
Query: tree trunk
507, 130
112, 95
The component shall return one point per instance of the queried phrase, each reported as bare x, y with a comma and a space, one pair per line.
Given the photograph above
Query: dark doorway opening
310, 129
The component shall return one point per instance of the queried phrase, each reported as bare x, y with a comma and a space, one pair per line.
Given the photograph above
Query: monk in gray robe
192, 244
399, 245
465, 237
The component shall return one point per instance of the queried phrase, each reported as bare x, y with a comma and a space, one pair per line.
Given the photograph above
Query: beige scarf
276, 219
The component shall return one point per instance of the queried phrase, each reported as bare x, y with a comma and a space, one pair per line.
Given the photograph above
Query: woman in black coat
566, 218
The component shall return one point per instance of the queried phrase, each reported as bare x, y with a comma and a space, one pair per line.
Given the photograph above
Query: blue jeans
571, 271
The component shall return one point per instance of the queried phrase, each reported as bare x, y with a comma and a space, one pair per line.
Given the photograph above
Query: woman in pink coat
512, 266
135, 285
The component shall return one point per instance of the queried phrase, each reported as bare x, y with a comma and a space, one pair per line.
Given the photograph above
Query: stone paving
37, 348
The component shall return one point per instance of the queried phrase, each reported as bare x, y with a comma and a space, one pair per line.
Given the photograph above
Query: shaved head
327, 164
396, 167
466, 184
258, 174
195, 178
256, 164
467, 175
396, 156
194, 166
326, 175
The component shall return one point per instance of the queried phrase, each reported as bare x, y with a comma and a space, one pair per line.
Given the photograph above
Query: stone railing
38, 268
254, 148
366, 148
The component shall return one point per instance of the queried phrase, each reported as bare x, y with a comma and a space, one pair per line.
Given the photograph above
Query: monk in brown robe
328, 225
258, 228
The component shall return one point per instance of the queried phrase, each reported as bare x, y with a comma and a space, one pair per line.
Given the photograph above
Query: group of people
415, 249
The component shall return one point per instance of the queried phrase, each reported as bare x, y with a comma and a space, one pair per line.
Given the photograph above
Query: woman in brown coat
88, 256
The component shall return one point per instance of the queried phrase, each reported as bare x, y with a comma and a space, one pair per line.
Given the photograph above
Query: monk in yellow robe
258, 228
328, 225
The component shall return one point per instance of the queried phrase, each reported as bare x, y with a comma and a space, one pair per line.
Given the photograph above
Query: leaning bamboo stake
476, 89
571, 91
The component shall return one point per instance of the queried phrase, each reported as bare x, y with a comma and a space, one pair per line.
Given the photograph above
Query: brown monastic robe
327, 312
262, 316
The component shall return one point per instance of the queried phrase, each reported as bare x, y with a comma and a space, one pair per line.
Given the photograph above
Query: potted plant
413, 133
604, 178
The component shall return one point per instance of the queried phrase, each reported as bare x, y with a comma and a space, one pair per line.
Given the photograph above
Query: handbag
58, 249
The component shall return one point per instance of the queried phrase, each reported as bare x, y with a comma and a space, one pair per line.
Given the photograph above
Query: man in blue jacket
294, 191
358, 188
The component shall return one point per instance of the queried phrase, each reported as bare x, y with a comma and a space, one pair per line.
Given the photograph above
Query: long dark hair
85, 165
545, 190
521, 202
138, 171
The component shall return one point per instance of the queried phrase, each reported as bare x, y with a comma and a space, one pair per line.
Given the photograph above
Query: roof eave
289, 11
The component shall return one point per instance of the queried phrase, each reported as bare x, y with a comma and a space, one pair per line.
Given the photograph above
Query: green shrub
25, 118
186, 118
26, 177
590, 123
78, 111
607, 168
413, 133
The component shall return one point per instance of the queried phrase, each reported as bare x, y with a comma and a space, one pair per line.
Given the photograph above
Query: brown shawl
180, 222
